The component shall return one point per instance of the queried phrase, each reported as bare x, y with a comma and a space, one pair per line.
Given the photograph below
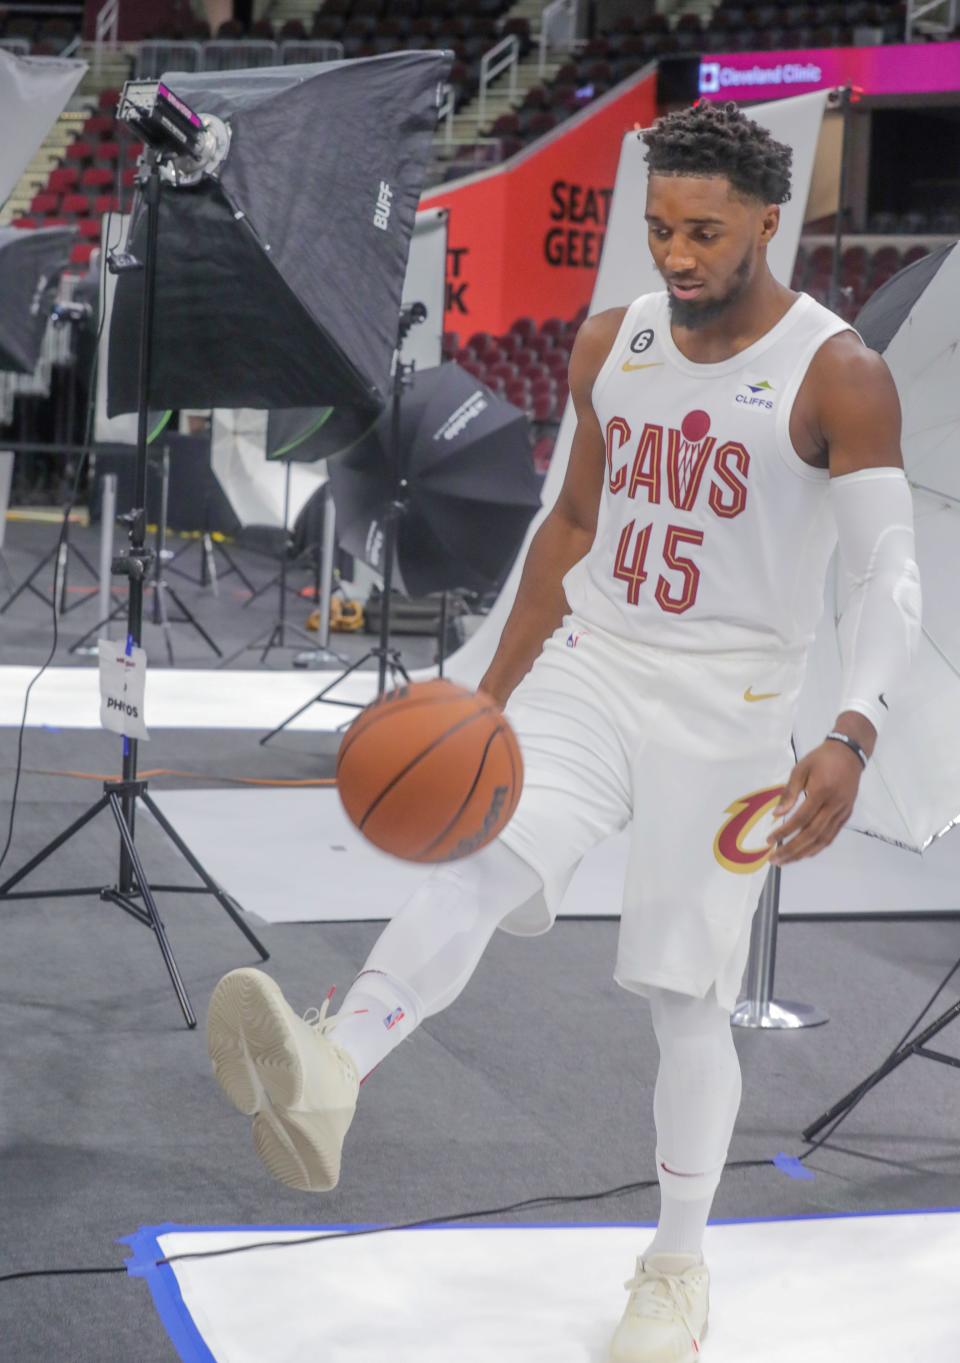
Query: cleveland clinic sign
898, 69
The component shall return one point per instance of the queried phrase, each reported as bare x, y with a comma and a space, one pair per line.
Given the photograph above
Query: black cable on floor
526, 1205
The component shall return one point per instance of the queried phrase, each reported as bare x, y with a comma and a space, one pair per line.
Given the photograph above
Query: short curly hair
719, 139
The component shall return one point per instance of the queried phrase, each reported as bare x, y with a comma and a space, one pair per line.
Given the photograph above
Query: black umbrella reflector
31, 263
885, 311
471, 489
279, 282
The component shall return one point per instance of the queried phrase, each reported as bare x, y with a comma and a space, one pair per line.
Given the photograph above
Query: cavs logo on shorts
731, 845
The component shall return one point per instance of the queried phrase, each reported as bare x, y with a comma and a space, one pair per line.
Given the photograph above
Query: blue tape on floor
792, 1167
165, 1290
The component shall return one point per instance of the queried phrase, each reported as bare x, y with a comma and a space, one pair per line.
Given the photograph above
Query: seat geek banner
525, 240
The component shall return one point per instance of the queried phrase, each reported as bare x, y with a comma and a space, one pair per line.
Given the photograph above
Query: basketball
430, 773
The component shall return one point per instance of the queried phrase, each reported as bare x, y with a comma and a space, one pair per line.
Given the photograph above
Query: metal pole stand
759, 1009
108, 515
324, 654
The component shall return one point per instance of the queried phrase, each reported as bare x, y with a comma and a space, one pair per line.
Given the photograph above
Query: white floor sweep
858, 1289
293, 856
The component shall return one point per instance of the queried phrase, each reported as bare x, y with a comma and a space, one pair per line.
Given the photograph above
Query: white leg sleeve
880, 625
435, 942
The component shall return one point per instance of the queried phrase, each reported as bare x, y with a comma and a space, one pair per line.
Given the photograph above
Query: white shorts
691, 750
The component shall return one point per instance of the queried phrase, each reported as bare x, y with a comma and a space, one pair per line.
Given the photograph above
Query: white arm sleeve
879, 629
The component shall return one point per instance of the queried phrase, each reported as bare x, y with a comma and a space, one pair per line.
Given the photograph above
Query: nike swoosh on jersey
629, 368
763, 695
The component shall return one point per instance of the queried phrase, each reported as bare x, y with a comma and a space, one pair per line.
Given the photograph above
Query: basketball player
730, 431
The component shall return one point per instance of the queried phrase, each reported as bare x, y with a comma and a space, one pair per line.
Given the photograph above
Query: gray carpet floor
538, 1081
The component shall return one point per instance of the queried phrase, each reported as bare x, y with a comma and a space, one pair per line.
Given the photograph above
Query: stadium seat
106, 203
524, 326
107, 100
77, 205
98, 125
81, 252
63, 179
80, 151
45, 203
97, 177
89, 228
25, 223
914, 254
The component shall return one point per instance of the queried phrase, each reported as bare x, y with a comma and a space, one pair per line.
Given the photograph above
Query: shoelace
317, 1018
647, 1283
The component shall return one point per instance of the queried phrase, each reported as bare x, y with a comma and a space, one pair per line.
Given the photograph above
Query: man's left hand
829, 777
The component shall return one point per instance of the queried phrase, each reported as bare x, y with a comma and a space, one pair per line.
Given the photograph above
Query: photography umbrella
31, 263
279, 278
910, 792
470, 487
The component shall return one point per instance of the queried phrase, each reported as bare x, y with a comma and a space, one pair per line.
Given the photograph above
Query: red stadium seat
524, 326
106, 203
89, 228
78, 205
80, 253
80, 151
25, 223
914, 254
64, 178
107, 151
97, 177
108, 100
98, 125
504, 370
129, 177
45, 203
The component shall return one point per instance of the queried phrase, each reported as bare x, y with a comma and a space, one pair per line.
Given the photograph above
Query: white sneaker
286, 1073
666, 1316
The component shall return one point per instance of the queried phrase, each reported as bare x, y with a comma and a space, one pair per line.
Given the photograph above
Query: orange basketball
431, 772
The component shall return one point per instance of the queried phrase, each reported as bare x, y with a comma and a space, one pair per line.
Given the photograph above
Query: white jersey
713, 533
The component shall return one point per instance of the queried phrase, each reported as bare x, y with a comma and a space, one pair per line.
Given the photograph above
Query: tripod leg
190, 619
314, 700
234, 568
27, 583
160, 609
892, 1062
51, 847
275, 640
225, 900
151, 908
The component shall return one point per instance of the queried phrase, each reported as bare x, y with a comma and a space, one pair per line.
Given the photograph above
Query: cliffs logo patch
757, 394
731, 846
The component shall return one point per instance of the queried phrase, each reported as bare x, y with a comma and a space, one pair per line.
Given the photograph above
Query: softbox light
471, 489
31, 263
279, 282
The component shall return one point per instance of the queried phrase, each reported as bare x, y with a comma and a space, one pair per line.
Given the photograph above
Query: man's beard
688, 312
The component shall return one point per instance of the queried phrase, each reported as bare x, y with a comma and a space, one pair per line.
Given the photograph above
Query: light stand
276, 634
132, 892
70, 316
389, 659
903, 1051
161, 614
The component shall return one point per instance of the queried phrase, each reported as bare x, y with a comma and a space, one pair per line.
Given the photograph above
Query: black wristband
851, 743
